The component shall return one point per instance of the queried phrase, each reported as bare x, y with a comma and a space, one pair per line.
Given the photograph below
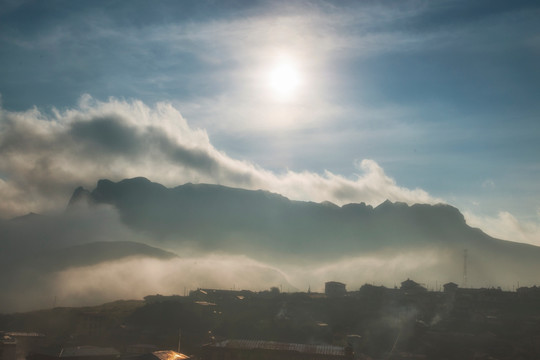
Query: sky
349, 101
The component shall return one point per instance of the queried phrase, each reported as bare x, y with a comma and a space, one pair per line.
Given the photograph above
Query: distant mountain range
49, 243
267, 225
219, 217
137, 219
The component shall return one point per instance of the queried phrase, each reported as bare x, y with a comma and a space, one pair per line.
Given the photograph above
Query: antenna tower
465, 268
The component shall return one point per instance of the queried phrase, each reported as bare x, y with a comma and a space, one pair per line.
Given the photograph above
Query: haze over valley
134, 237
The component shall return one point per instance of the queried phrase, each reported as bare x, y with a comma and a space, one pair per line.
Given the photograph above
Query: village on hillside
373, 322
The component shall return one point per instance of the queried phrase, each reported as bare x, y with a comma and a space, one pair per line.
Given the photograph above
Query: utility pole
465, 255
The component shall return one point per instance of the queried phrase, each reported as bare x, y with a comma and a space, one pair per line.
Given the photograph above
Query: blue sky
440, 98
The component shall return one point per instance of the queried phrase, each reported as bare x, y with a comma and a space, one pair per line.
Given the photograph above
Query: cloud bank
44, 156
507, 226
136, 277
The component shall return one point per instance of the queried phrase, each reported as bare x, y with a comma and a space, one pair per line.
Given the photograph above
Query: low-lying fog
39, 272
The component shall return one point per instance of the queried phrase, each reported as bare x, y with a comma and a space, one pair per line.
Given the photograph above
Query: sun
284, 80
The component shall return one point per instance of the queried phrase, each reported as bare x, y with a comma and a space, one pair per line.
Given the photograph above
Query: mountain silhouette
96, 252
270, 227
113, 236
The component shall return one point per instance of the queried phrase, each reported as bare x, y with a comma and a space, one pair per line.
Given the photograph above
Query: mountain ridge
215, 214
114, 234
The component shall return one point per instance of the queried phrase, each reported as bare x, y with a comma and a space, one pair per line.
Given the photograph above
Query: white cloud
138, 277
43, 157
507, 227
385, 267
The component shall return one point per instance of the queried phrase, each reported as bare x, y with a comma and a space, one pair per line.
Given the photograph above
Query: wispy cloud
507, 226
405, 63
138, 277
45, 156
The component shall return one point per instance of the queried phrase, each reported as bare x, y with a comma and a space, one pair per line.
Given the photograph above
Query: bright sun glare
284, 80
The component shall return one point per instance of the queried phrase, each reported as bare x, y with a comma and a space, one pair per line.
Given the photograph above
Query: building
8, 348
334, 289
450, 287
270, 350
163, 355
19, 342
411, 287
220, 294
76, 353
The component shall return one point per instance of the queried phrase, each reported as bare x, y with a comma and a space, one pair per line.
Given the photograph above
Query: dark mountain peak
329, 204
437, 206
233, 219
140, 180
211, 200
272, 195
400, 204
97, 252
27, 218
109, 192
104, 183
80, 196
104, 187
444, 212
219, 193
357, 205
387, 205
357, 209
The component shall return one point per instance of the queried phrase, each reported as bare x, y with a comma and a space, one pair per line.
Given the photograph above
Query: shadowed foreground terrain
377, 322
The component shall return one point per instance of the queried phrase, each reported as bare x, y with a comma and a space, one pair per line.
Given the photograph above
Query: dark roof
8, 340
272, 345
164, 355
409, 282
334, 283
87, 351
24, 334
77, 351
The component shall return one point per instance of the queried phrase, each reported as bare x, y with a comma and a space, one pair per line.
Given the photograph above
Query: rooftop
272, 345
78, 351
167, 355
